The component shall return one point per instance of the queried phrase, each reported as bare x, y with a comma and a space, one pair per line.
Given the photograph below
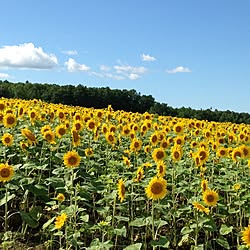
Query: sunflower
71, 159
49, 136
245, 150
76, 139
236, 186
147, 149
60, 197
164, 144
154, 139
176, 153
210, 197
246, 236
204, 185
161, 168
126, 161
78, 125
7, 139
200, 207
125, 130
158, 154
135, 145
45, 128
6, 172
91, 124
29, 135
61, 130
222, 152
237, 153
33, 114
2, 105
156, 189
178, 128
110, 137
23, 145
121, 190
1, 117
179, 140
60, 220
203, 154
89, 152
139, 174
9, 120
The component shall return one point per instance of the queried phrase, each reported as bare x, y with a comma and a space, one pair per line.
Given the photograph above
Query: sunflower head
7, 139
210, 197
6, 172
9, 120
89, 152
71, 159
121, 190
60, 197
60, 220
158, 154
157, 188
200, 207
246, 236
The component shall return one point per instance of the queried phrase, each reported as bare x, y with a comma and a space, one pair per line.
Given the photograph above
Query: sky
185, 53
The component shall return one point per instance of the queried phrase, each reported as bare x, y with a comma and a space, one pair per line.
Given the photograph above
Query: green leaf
186, 230
84, 218
46, 224
162, 242
136, 246
224, 230
29, 220
36, 213
122, 218
9, 197
223, 242
121, 231
139, 222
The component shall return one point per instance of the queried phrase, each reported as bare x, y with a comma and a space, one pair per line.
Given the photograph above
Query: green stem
6, 211
153, 221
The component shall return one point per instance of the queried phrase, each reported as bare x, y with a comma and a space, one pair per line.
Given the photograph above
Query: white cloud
26, 56
104, 68
108, 75
130, 72
126, 69
73, 66
147, 58
4, 75
70, 52
179, 69
133, 76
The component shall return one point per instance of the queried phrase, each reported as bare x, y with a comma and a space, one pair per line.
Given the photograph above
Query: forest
101, 97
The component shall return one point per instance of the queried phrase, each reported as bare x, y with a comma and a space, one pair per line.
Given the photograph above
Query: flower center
5, 172
156, 188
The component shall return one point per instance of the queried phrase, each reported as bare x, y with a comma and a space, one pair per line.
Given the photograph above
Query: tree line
127, 100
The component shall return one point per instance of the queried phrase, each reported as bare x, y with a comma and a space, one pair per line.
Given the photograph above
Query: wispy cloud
107, 75
147, 58
4, 76
127, 69
104, 68
70, 52
73, 66
26, 56
179, 69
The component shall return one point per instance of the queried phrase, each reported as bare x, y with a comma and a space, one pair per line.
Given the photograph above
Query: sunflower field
85, 178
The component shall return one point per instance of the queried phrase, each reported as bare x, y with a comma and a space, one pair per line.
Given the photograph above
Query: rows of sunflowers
85, 178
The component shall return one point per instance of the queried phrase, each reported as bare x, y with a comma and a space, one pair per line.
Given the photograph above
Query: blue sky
191, 53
